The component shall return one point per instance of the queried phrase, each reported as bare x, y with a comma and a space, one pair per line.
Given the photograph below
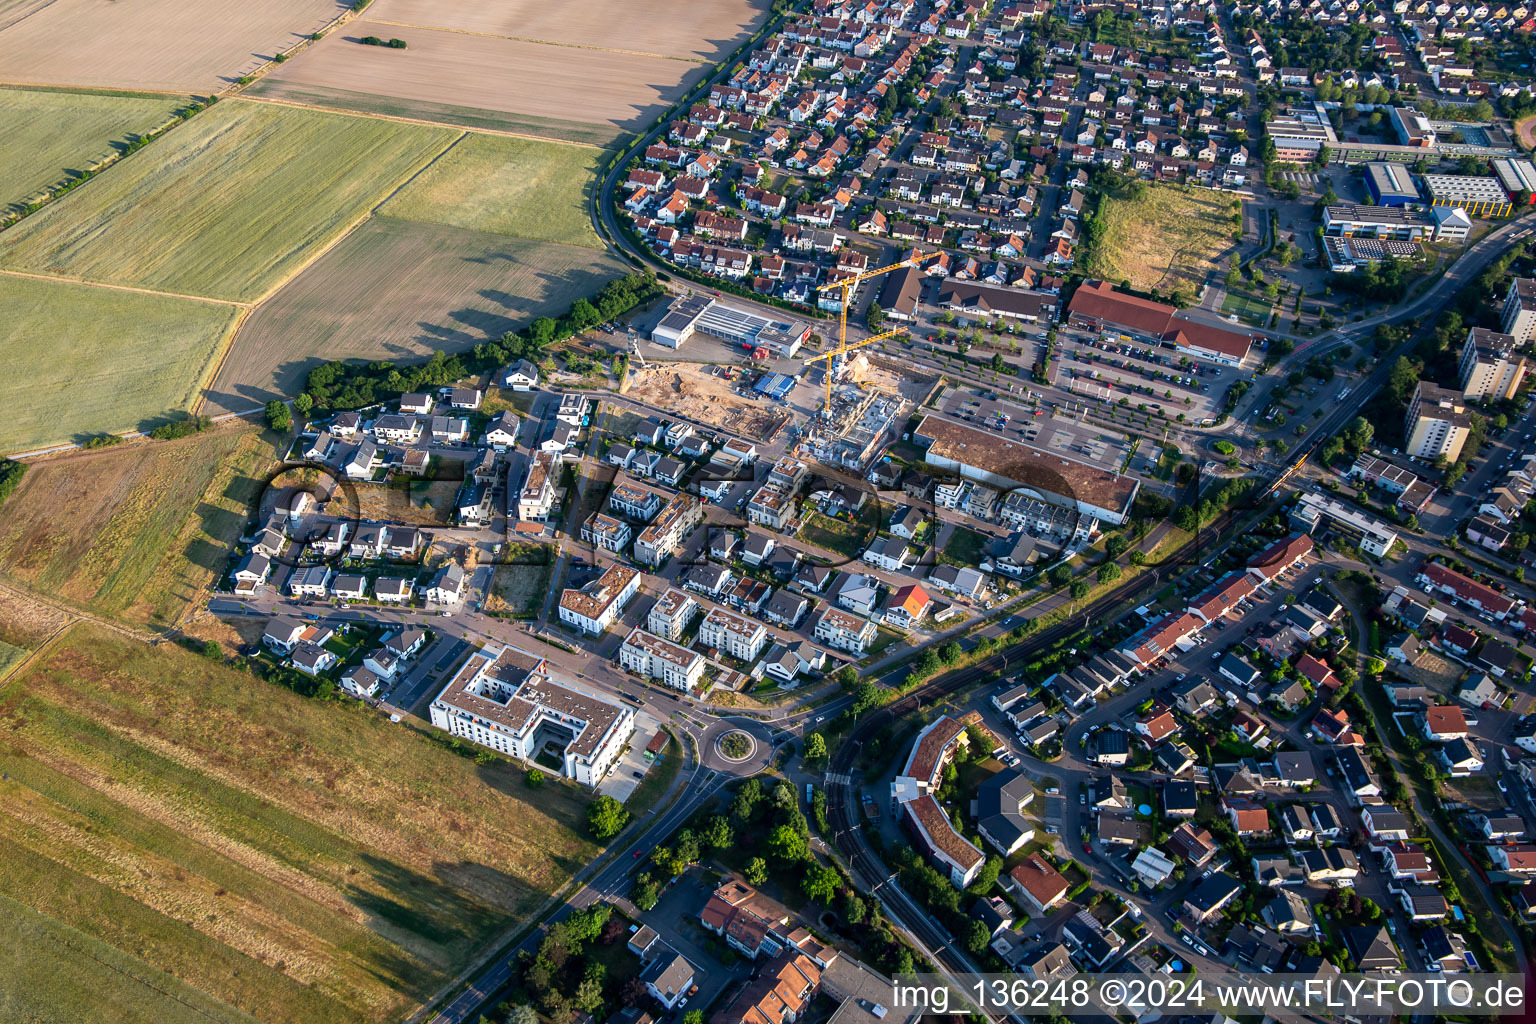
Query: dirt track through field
127, 288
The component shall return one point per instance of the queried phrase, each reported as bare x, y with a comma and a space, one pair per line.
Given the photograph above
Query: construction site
864, 395
707, 394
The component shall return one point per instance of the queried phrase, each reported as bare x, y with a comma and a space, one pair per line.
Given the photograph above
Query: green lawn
83, 360
227, 205
53, 134
847, 537
964, 547
657, 779
506, 186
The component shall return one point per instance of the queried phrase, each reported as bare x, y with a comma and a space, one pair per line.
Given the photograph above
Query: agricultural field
714, 27
83, 360
526, 188
228, 204
268, 856
128, 508
150, 44
400, 290
53, 134
198, 553
1163, 237
569, 90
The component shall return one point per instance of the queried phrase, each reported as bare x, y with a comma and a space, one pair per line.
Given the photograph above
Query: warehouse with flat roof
696, 312
1390, 184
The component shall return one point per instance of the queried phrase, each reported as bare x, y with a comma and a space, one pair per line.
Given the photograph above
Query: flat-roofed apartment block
770, 507
1519, 319
537, 496
1376, 222
1017, 466
736, 635
1437, 423
1313, 510
1479, 196
671, 614
658, 658
505, 699
572, 409
1490, 367
593, 608
657, 541
606, 532
913, 789
630, 499
844, 630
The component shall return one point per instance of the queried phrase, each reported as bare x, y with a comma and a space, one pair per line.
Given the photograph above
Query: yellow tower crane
848, 285
835, 353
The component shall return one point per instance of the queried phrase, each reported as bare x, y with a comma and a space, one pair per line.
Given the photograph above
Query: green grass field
846, 537
85, 360
228, 204
210, 843
1248, 308
506, 186
1163, 236
52, 135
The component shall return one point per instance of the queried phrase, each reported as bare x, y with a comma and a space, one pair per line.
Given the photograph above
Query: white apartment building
606, 532
630, 499
770, 507
1437, 423
505, 699
671, 614
593, 608
736, 635
537, 496
655, 658
657, 541
1490, 368
1519, 320
845, 631
573, 409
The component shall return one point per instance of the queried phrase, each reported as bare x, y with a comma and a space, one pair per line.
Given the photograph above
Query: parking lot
1111, 369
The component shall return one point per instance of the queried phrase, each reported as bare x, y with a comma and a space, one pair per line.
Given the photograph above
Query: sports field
52, 135
86, 360
125, 507
150, 44
229, 848
397, 289
507, 186
228, 204
1163, 237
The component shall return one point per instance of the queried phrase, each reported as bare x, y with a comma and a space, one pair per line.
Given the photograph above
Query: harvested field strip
299, 861
227, 205
52, 135
400, 290
619, 90
51, 972
507, 186
541, 42
197, 555
424, 112
83, 360
126, 506
703, 30
152, 44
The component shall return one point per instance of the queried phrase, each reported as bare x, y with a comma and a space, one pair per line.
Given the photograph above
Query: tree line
338, 386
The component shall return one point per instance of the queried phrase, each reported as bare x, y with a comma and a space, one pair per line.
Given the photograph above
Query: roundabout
738, 746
